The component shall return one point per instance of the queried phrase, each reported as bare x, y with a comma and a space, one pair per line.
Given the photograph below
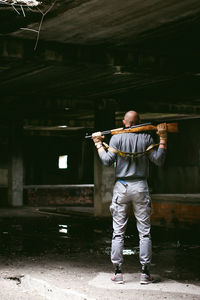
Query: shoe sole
118, 282
147, 282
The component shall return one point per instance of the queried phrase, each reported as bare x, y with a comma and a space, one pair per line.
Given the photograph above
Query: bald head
131, 118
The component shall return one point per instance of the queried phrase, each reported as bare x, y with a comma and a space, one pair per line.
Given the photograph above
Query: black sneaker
146, 279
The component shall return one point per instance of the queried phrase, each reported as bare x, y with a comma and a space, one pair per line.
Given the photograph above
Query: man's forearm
163, 143
99, 147
100, 150
106, 157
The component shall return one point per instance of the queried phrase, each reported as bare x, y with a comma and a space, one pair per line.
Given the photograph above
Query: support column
15, 171
104, 177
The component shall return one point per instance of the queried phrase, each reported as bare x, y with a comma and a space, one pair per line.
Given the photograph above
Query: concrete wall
174, 210
4, 158
40, 155
180, 174
41, 160
55, 195
3, 177
104, 178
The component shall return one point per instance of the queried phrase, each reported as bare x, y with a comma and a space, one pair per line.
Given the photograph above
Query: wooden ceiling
128, 53
112, 22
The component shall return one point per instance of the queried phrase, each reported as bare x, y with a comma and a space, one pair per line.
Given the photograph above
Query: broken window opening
63, 162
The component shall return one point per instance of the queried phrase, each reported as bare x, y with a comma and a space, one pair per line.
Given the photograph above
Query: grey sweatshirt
128, 167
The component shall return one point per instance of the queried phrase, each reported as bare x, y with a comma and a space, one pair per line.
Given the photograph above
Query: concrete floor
66, 256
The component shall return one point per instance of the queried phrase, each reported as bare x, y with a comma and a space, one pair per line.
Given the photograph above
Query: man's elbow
107, 163
160, 162
106, 159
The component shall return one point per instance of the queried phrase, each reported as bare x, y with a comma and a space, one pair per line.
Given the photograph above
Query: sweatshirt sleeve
108, 158
157, 156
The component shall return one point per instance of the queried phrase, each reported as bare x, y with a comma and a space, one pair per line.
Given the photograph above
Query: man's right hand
97, 137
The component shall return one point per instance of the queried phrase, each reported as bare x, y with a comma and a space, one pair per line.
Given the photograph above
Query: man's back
130, 167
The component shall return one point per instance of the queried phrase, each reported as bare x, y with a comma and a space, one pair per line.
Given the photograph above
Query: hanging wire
15, 9
23, 11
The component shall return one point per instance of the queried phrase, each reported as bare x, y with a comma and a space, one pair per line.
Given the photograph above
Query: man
131, 186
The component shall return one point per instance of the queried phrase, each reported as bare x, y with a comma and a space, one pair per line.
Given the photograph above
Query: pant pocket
120, 188
114, 206
148, 203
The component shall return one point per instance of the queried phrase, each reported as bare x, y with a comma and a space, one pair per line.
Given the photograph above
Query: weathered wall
104, 178
81, 195
181, 172
179, 175
53, 195
3, 176
170, 210
174, 210
4, 157
41, 160
41, 168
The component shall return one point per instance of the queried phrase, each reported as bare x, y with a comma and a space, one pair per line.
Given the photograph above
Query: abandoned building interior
69, 68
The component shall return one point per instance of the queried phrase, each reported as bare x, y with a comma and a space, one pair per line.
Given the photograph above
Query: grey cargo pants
137, 193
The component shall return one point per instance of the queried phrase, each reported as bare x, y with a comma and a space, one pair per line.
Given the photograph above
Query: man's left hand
162, 131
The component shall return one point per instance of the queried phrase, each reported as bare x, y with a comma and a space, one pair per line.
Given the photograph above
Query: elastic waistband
123, 182
130, 179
